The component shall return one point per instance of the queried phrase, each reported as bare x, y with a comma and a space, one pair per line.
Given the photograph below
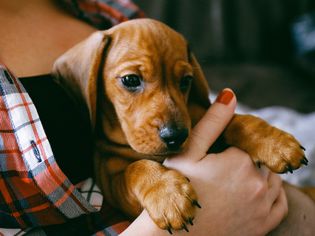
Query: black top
66, 125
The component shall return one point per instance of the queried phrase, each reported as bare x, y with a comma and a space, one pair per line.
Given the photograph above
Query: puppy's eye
185, 83
131, 82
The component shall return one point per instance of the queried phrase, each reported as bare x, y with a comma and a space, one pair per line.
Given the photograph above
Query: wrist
143, 225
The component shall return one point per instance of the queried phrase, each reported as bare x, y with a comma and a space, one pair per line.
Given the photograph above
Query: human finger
274, 187
264, 172
212, 124
278, 211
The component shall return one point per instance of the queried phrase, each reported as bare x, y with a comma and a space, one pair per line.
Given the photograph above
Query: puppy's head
140, 83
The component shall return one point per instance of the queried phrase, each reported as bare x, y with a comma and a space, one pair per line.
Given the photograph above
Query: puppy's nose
173, 136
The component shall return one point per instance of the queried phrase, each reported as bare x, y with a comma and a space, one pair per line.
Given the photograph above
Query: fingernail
225, 97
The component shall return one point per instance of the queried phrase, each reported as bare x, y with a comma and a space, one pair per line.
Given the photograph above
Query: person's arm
236, 199
300, 220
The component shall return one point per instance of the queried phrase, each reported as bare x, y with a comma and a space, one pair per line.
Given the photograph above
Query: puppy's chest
116, 165
117, 157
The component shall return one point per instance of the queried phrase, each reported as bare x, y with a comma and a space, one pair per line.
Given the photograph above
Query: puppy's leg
267, 145
166, 194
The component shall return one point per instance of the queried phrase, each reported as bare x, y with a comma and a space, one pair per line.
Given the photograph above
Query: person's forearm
300, 220
143, 225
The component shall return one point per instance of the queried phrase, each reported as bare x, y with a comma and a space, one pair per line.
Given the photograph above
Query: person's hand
236, 198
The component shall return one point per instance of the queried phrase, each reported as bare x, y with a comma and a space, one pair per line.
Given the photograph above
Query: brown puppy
144, 91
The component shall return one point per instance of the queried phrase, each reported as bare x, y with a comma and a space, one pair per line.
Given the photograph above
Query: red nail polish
225, 96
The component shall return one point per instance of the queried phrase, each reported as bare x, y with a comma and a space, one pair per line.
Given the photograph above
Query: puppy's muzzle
173, 136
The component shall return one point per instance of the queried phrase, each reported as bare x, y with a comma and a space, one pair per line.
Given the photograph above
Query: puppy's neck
112, 143
110, 138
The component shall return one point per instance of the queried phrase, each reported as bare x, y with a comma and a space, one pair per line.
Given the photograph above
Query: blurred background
263, 49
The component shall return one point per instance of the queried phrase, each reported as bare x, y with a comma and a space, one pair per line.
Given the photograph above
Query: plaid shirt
35, 195
103, 13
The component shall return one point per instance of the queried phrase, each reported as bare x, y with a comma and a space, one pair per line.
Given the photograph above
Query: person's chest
33, 38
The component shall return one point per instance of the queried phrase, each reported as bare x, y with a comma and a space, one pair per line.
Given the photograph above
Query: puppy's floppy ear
79, 68
198, 100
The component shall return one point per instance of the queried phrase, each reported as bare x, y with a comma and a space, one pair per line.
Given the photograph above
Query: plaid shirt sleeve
35, 196
103, 13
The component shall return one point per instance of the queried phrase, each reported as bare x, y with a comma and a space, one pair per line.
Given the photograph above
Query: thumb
212, 124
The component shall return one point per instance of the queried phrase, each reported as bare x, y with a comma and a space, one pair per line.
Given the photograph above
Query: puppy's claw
190, 220
185, 228
258, 164
169, 230
302, 147
196, 203
289, 169
188, 179
304, 161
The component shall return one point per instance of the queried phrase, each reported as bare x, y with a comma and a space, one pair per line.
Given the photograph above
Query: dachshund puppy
144, 91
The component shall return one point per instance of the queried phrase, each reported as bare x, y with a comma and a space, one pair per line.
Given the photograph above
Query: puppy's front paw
278, 150
171, 201
265, 144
